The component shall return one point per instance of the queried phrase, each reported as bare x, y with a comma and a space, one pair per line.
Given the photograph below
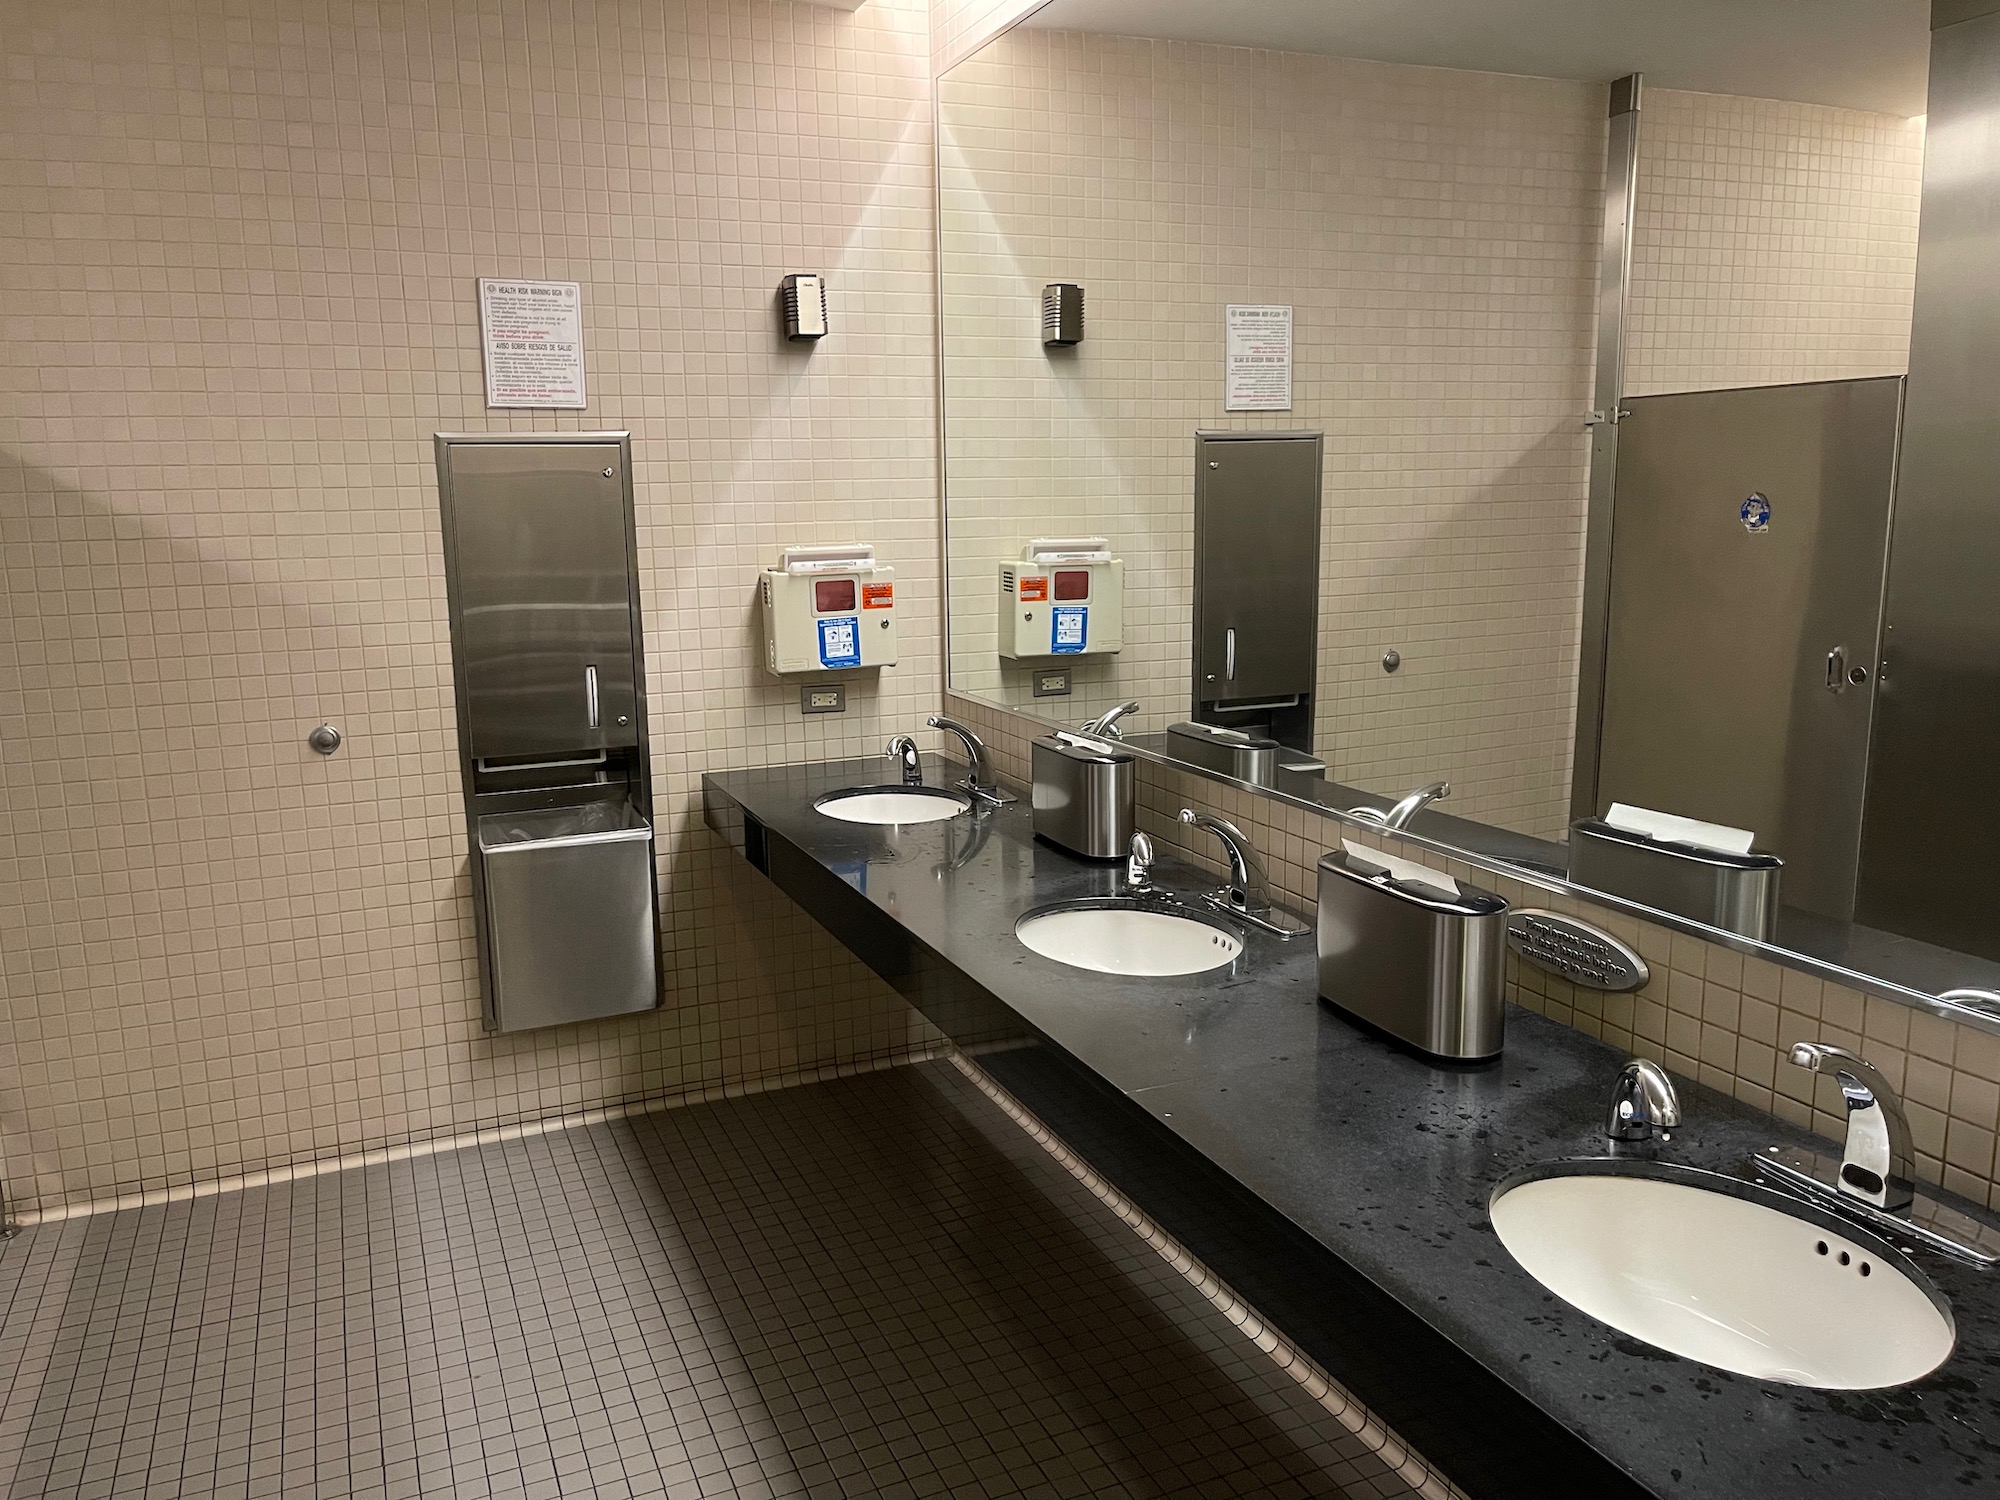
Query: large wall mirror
1580, 406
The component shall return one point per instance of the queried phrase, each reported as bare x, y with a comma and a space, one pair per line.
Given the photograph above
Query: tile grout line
1335, 1398
443, 1145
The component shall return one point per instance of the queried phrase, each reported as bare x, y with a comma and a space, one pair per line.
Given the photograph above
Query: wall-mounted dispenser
1062, 314
1256, 582
804, 299
542, 576
1065, 597
828, 608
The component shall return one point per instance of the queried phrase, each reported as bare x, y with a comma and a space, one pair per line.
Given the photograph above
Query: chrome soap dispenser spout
1139, 864
1643, 1103
903, 750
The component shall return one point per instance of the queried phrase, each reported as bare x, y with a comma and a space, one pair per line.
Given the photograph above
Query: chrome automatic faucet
1248, 894
1249, 889
1877, 1164
1400, 815
1106, 723
1643, 1103
903, 750
979, 783
1872, 1182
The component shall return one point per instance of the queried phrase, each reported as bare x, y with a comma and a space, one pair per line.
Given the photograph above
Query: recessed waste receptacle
569, 913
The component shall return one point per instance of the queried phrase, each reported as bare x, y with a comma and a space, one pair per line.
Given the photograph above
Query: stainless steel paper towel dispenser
1083, 794
1256, 582
1233, 752
1424, 964
1736, 892
541, 568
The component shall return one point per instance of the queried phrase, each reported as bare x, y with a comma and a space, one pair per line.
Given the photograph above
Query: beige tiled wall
1434, 234
1709, 1013
960, 27
238, 246
1773, 242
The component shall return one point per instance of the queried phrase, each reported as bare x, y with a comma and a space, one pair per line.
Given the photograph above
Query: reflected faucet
903, 749
1400, 815
979, 781
1106, 723
1877, 1164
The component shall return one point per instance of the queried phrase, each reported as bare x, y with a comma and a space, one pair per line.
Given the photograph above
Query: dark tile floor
875, 1287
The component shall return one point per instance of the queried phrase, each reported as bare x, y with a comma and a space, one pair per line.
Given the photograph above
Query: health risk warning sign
533, 336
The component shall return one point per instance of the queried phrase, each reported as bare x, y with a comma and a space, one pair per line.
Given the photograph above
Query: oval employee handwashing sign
1756, 513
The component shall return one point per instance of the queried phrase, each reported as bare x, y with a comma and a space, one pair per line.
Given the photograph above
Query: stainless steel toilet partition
541, 566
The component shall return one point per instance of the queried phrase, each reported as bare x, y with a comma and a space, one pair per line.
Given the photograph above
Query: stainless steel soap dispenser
1083, 794
1423, 963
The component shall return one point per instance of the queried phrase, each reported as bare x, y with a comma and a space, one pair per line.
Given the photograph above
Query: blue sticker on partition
1756, 514
1068, 624
840, 641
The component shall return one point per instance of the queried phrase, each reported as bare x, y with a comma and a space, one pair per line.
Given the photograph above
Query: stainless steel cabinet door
538, 543
1256, 569
1746, 592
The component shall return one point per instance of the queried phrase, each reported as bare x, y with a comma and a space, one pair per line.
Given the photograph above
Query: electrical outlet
1052, 684
829, 698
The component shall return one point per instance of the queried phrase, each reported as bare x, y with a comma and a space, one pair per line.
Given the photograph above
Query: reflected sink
1725, 1272
887, 806
1127, 937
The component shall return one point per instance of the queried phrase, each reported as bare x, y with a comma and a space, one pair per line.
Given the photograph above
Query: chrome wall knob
325, 739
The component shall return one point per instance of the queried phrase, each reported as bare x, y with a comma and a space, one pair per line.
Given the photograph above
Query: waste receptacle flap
548, 827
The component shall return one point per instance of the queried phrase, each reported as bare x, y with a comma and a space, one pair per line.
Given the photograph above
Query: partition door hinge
1599, 419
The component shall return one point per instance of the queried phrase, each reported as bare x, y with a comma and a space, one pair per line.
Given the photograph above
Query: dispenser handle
1229, 654
590, 694
1836, 670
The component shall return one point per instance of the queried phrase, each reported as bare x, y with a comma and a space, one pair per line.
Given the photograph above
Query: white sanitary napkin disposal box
1065, 597
828, 608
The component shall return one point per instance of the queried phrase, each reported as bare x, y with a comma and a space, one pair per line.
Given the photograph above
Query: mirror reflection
1495, 421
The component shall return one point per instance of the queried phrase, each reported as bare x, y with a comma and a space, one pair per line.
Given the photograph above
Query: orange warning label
1033, 587
878, 595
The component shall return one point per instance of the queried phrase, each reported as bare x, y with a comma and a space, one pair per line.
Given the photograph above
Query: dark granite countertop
1384, 1161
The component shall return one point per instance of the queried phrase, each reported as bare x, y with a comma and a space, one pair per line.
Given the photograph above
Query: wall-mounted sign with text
533, 336
1257, 359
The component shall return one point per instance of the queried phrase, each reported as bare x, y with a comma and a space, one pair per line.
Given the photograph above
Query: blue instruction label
840, 641
1067, 626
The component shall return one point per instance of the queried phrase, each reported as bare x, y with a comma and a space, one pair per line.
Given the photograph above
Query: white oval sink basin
886, 806
1725, 1272
1121, 939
